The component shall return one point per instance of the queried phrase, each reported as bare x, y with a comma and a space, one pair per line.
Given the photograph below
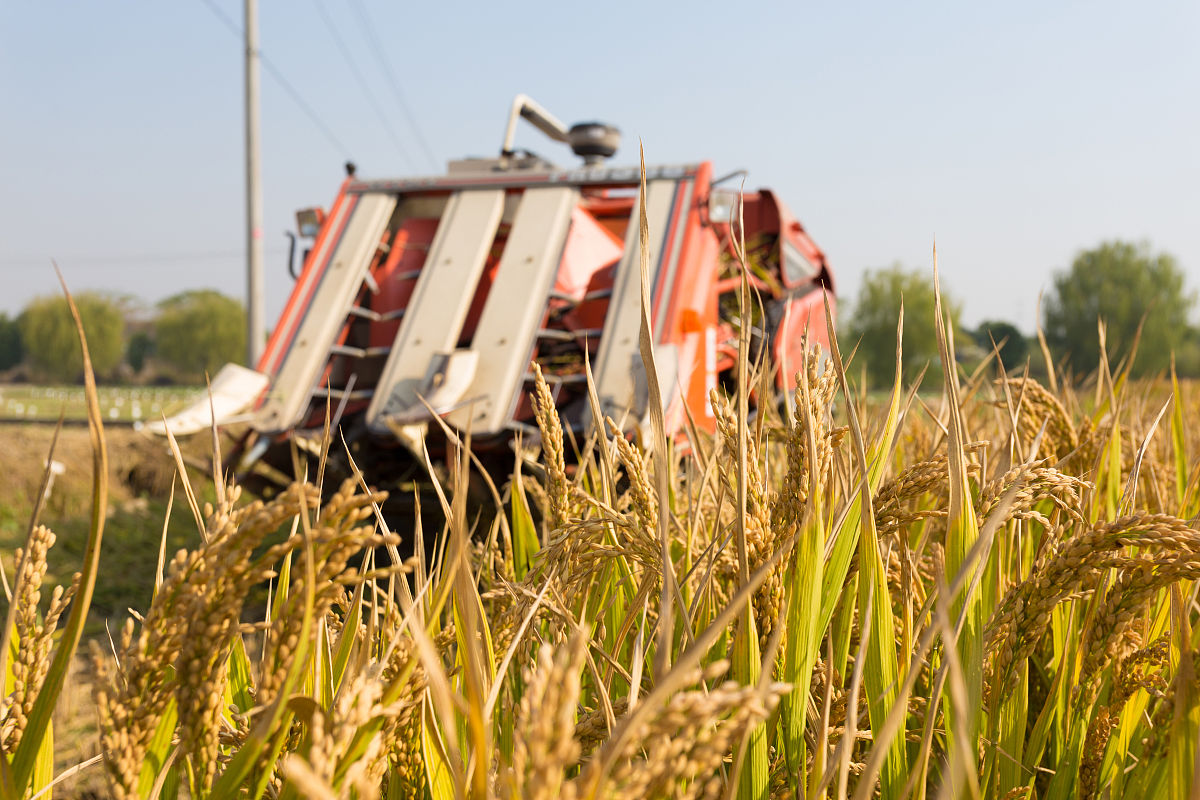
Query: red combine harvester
436, 295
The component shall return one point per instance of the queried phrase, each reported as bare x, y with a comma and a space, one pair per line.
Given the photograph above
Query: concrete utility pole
255, 309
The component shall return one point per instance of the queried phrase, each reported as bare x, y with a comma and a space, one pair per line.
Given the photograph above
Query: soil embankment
140, 466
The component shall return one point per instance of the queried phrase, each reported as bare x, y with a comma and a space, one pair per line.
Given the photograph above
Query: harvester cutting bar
558, 380
599, 294
376, 316
340, 394
358, 352
558, 335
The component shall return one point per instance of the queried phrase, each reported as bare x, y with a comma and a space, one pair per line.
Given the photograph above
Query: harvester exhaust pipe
526, 107
592, 141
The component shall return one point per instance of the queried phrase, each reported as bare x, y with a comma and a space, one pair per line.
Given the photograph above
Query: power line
362, 83
369, 31
283, 82
134, 258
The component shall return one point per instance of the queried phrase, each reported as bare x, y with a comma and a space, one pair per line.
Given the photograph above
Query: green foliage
1187, 357
1014, 347
872, 326
1121, 283
52, 344
12, 349
140, 347
198, 332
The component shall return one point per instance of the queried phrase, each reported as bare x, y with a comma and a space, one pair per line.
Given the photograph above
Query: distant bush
140, 347
12, 350
1014, 348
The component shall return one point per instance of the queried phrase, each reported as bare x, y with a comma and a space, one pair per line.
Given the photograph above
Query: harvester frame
439, 296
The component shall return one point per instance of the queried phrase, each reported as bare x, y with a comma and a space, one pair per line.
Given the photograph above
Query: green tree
1187, 357
200, 331
1121, 283
1014, 347
12, 349
872, 324
48, 333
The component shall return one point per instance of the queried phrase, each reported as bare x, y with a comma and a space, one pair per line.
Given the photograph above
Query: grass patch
118, 404
132, 538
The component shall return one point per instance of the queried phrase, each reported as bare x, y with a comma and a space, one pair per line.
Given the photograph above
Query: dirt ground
140, 466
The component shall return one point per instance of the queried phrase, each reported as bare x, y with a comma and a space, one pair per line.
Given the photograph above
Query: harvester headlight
309, 220
722, 205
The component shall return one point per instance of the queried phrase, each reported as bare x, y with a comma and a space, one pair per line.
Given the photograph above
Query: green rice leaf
524, 532
845, 537
8, 787
24, 760
962, 531
1012, 716
1065, 783
437, 765
843, 624
1116, 756
1178, 440
348, 638
803, 641
1185, 720
282, 585
753, 782
43, 767
881, 674
159, 750
239, 687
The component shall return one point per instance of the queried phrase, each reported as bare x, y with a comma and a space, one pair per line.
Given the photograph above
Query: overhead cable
362, 83
368, 28
283, 82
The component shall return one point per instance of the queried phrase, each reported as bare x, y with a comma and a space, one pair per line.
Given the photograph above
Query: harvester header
439, 296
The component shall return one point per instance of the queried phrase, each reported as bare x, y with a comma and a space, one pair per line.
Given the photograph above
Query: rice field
1031, 566
118, 404
988, 593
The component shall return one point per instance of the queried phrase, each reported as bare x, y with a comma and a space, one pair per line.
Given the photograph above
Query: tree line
186, 337
1138, 294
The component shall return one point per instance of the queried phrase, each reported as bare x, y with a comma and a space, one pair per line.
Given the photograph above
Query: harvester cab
439, 297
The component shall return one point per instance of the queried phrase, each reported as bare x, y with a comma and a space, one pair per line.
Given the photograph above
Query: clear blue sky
1015, 133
